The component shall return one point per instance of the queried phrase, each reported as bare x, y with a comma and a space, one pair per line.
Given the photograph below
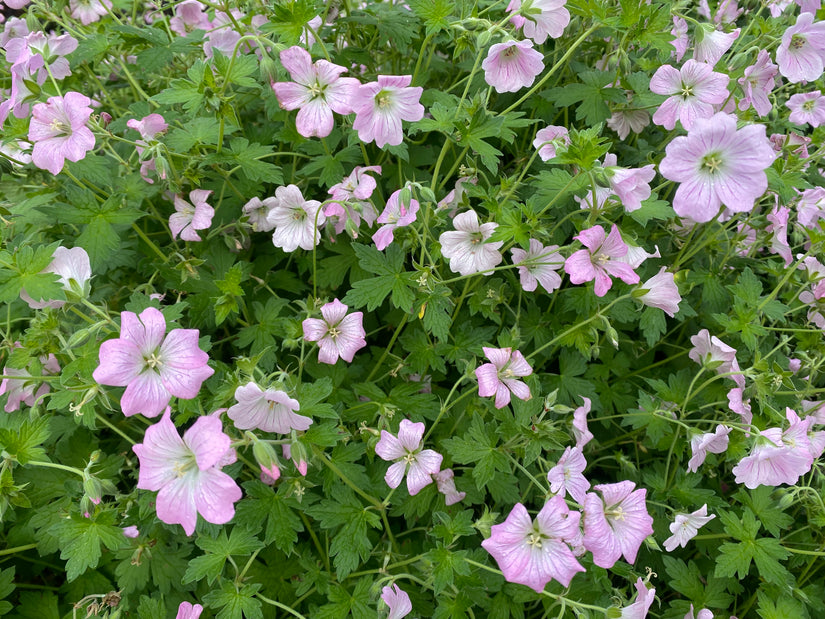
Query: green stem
394, 337
55, 465
291, 611
16, 549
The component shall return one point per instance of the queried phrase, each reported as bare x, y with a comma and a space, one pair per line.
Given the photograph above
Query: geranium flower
468, 248
547, 139
189, 15
540, 266
685, 527
715, 442
632, 185
580, 431
547, 18
152, 369
420, 465
58, 131
398, 601
499, 377
757, 83
801, 55
709, 349
567, 475
296, 221
661, 292
271, 410
694, 90
680, 41
717, 164
616, 523
807, 108
317, 89
381, 106
512, 65
533, 553
74, 271
352, 194
445, 482
778, 229
599, 261
338, 334
89, 11
20, 385
187, 472
189, 611
257, 211
703, 614
644, 600
625, 121
711, 44
395, 215
188, 218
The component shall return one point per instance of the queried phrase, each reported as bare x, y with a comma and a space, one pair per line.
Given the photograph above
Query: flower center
510, 51
687, 90
383, 99
600, 258
60, 127
334, 332
808, 106
476, 238
317, 90
154, 361
797, 41
616, 513
299, 214
183, 466
712, 162
534, 539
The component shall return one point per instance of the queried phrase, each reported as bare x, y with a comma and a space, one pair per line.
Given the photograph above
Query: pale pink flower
190, 217
685, 527
809, 6
739, 405
727, 11
625, 121
811, 207
189, 611
337, 334
131, 532
222, 35
455, 197
632, 185
395, 215
644, 600
712, 352
635, 255
15, 28
816, 299
149, 127
187, 472
540, 266
801, 55
532, 552
152, 369
512, 65
778, 228
445, 482
41, 54
717, 164
807, 108
694, 90
468, 247
381, 106
74, 271
21, 386
296, 221
703, 614
711, 44
398, 601
58, 131
409, 458
189, 15
580, 431
271, 410
567, 475
777, 6
616, 523
499, 378
357, 186
550, 19
661, 292
317, 89
548, 139
89, 11
598, 262
757, 83
680, 34
257, 211
352, 195
602, 195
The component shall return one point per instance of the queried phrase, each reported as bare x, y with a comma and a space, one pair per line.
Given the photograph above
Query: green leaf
262, 505
343, 604
81, 539
766, 509
653, 324
653, 208
479, 445
433, 13
311, 396
235, 604
23, 444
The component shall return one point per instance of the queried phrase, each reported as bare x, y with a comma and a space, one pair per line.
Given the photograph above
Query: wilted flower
632, 185
685, 527
580, 431
445, 482
20, 385
420, 465
644, 600
338, 334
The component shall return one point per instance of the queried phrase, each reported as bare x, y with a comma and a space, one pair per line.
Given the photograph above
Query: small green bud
484, 38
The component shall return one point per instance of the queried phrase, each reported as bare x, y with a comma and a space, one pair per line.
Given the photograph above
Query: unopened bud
93, 489
484, 38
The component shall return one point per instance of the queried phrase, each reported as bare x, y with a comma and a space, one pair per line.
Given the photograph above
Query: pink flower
807, 107
149, 127
89, 11
540, 266
703, 614
714, 442
512, 65
717, 164
547, 18
295, 220
711, 44
778, 228
625, 121
271, 410
739, 406
395, 215
189, 16
567, 475
72, 265
187, 472
680, 41
549, 138
499, 377
188, 218
317, 89
661, 292
694, 90
811, 207
381, 106
617, 523
635, 256
630, 184
801, 55
152, 369
580, 431
445, 482
131, 532
298, 459
352, 194
712, 352
58, 131
685, 527
398, 601
338, 334
644, 600
22, 388
406, 451
533, 553
599, 260
257, 211
189, 611
757, 83
468, 248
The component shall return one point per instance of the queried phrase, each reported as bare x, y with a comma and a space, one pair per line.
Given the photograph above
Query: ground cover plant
425, 308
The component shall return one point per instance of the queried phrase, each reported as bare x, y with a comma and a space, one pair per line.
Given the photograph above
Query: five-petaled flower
500, 378
58, 131
188, 218
616, 523
338, 334
600, 260
381, 106
406, 451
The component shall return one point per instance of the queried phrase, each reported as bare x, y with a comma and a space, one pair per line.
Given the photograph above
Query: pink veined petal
623, 271
429, 461
184, 383
207, 441
180, 349
315, 119
519, 365
290, 95
339, 96
696, 199
120, 363
162, 447
327, 351
488, 382
395, 474
145, 331
314, 329
502, 395
215, 496
176, 503
389, 448
498, 356
602, 283
410, 434
334, 312
613, 245
518, 388
146, 395
298, 62
579, 266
